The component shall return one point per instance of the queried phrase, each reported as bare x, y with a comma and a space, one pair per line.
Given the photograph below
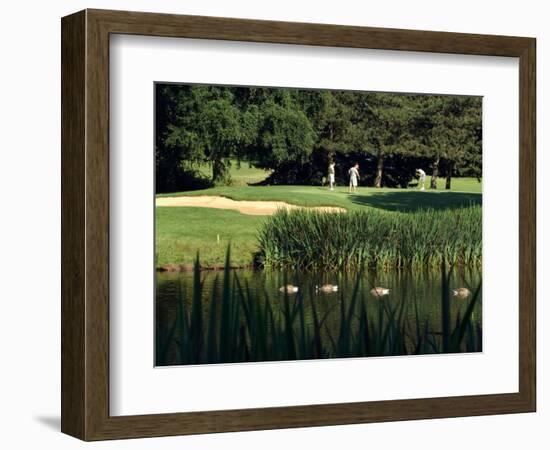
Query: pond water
248, 318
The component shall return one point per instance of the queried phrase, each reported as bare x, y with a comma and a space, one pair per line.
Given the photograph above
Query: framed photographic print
271, 224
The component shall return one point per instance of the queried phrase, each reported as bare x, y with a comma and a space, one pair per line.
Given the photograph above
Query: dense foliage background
295, 133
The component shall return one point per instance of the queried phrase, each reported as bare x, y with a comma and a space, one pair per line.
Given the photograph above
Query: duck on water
326, 288
379, 291
289, 289
461, 292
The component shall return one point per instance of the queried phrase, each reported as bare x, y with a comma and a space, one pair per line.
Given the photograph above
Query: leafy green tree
334, 128
284, 136
423, 127
220, 134
455, 137
296, 132
385, 127
204, 127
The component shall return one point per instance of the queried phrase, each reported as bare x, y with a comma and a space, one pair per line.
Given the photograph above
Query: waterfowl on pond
462, 292
289, 289
327, 288
379, 291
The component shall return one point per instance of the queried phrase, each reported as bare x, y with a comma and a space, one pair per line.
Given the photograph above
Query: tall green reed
327, 241
240, 325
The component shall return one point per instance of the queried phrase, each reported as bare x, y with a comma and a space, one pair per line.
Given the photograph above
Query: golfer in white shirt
353, 178
422, 179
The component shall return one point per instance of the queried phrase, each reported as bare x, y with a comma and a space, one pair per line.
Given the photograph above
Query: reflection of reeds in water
240, 325
327, 241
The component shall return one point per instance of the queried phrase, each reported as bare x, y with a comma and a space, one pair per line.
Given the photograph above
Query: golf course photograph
305, 224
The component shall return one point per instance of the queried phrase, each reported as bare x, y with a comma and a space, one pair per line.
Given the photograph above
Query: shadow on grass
412, 201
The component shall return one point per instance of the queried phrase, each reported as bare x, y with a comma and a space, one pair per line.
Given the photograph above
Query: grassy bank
181, 232
317, 240
233, 324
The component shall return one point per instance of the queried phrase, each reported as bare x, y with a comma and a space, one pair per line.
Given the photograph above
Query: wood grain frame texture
85, 224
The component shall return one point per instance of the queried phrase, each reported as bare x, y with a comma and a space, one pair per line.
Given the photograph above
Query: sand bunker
253, 208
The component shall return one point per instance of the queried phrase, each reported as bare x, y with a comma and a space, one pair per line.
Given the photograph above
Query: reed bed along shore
315, 240
235, 324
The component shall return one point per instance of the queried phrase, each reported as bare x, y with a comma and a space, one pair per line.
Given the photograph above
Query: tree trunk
330, 155
330, 148
218, 171
379, 170
435, 173
449, 175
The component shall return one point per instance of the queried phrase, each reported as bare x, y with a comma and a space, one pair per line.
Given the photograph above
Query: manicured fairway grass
458, 184
180, 232
465, 192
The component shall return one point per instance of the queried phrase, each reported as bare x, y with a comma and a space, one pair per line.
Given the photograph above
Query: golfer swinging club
353, 178
422, 179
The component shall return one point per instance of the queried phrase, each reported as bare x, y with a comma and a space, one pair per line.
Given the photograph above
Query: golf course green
182, 231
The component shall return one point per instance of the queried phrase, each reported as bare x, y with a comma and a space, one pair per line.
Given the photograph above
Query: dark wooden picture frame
85, 224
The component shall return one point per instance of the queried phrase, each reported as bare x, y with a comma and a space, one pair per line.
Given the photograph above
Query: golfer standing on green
331, 174
353, 178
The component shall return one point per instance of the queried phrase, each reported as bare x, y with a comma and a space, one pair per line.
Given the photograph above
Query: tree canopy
296, 132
